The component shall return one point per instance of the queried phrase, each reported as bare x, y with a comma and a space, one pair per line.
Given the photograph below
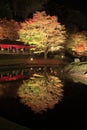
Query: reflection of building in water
14, 47
9, 75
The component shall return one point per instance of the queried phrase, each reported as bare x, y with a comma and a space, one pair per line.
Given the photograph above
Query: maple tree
77, 43
43, 31
9, 29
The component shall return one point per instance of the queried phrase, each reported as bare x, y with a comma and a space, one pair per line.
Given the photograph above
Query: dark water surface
71, 112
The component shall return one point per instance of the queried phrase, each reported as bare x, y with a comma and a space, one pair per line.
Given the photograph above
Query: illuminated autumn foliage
8, 29
77, 72
41, 93
43, 31
78, 43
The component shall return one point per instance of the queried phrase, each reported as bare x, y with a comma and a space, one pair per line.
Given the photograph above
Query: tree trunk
45, 55
45, 68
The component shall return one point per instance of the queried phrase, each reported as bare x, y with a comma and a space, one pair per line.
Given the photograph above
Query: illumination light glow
31, 58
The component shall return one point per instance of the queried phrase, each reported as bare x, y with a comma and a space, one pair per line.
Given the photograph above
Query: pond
67, 108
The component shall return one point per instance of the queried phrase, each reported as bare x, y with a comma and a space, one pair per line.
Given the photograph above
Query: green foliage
77, 72
79, 67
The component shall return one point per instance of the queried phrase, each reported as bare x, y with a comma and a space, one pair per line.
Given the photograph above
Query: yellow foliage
40, 93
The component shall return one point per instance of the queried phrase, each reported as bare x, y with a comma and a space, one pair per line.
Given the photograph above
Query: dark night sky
74, 4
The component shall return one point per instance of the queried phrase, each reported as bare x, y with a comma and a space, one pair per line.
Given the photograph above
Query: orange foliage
8, 29
43, 31
78, 43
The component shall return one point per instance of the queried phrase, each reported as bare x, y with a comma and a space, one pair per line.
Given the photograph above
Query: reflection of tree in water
76, 72
9, 88
40, 93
